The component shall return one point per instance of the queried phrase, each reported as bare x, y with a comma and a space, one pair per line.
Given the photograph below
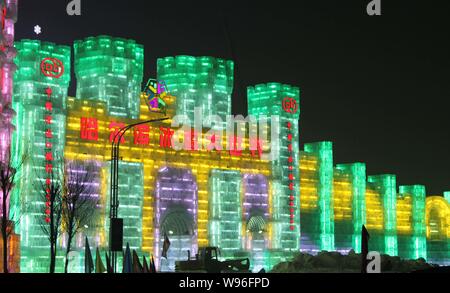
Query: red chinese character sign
154, 93
89, 129
114, 128
290, 105
142, 134
291, 178
165, 138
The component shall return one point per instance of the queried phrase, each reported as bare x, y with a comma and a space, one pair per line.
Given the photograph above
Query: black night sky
378, 87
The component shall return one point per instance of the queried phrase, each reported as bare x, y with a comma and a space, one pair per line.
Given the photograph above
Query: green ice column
324, 151
357, 173
225, 216
41, 66
199, 82
386, 185
418, 240
110, 70
281, 103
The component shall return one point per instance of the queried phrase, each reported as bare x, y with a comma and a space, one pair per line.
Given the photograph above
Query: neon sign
114, 128
52, 67
165, 139
142, 134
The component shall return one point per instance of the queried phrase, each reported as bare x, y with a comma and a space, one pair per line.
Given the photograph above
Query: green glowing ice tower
283, 101
110, 70
41, 66
386, 186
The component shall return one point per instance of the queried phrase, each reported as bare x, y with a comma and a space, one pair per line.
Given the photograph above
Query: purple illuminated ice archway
176, 206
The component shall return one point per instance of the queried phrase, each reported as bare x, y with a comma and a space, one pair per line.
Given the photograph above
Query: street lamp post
114, 177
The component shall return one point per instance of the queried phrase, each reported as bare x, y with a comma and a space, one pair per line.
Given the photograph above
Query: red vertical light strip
291, 177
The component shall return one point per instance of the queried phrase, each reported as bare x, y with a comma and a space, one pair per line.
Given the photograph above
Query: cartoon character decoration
154, 93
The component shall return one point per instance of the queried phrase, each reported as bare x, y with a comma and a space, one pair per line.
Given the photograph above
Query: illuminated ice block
375, 217
324, 177
225, 212
309, 211
176, 215
386, 186
269, 100
349, 205
110, 70
411, 227
437, 219
131, 198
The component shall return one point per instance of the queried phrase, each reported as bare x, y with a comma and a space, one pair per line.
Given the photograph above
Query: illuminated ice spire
43, 71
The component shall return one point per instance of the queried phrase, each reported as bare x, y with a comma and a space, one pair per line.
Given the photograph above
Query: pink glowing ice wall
8, 13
